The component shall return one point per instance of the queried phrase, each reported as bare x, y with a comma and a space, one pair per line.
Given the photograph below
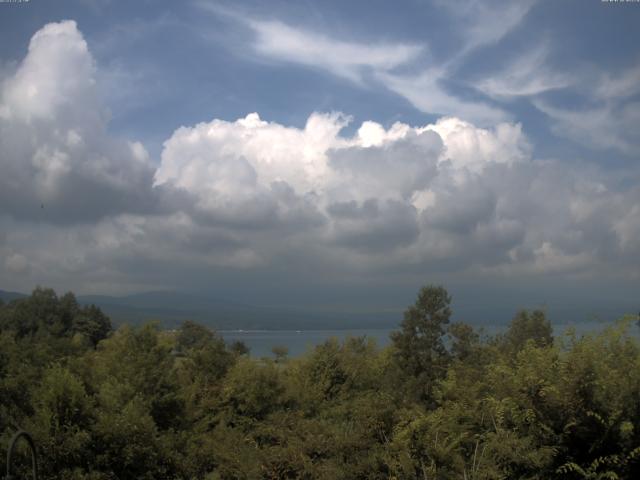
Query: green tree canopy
147, 403
527, 326
420, 350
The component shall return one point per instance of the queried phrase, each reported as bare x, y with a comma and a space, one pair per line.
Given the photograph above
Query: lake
260, 342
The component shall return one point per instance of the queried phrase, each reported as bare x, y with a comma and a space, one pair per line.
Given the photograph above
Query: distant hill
173, 308
8, 296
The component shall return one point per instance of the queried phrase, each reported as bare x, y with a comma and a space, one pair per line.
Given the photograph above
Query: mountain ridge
172, 308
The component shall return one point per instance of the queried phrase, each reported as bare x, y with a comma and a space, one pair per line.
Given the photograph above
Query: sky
332, 155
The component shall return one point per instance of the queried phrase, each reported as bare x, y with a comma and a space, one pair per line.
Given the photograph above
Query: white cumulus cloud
59, 163
81, 208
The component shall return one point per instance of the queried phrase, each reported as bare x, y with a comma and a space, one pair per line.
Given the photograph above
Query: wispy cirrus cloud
350, 60
282, 42
426, 92
483, 23
479, 24
606, 126
609, 116
528, 75
365, 63
619, 86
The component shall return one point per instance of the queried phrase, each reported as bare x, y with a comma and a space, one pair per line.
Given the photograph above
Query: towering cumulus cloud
56, 153
77, 203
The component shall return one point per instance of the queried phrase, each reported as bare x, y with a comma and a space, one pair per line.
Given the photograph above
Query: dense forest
443, 401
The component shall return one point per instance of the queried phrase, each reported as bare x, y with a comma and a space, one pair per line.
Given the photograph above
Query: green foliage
528, 326
280, 352
91, 324
62, 419
419, 346
43, 314
252, 390
238, 347
464, 340
194, 336
142, 403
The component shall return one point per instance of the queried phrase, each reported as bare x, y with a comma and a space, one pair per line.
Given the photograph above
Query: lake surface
260, 342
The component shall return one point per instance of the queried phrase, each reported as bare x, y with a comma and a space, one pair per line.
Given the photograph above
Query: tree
280, 352
527, 326
463, 340
63, 416
38, 313
252, 390
194, 335
45, 314
92, 324
419, 348
239, 348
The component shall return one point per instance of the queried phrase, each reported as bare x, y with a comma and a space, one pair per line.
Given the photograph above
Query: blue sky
467, 143
178, 63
